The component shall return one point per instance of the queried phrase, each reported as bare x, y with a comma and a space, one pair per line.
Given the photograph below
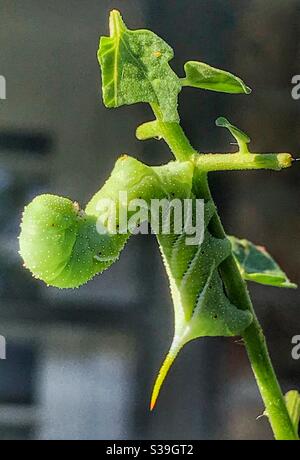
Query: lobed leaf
256, 264
201, 75
135, 68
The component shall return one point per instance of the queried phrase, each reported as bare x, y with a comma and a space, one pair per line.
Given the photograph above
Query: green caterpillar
60, 244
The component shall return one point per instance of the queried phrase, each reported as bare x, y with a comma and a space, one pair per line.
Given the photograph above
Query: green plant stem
235, 286
174, 136
241, 161
254, 340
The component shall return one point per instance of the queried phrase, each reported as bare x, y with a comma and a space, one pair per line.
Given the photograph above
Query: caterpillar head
60, 244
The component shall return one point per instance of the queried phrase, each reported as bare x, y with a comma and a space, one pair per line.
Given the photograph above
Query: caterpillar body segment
63, 246
201, 306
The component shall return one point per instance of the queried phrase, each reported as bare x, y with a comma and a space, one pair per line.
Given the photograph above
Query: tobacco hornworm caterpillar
60, 243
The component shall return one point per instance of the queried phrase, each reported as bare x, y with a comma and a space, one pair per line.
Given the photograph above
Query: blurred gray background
81, 364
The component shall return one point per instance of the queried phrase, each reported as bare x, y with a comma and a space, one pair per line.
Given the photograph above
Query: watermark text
2, 347
2, 88
166, 217
296, 347
296, 87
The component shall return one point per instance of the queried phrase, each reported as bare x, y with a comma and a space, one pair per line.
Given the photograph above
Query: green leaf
135, 69
256, 264
292, 399
238, 134
200, 75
